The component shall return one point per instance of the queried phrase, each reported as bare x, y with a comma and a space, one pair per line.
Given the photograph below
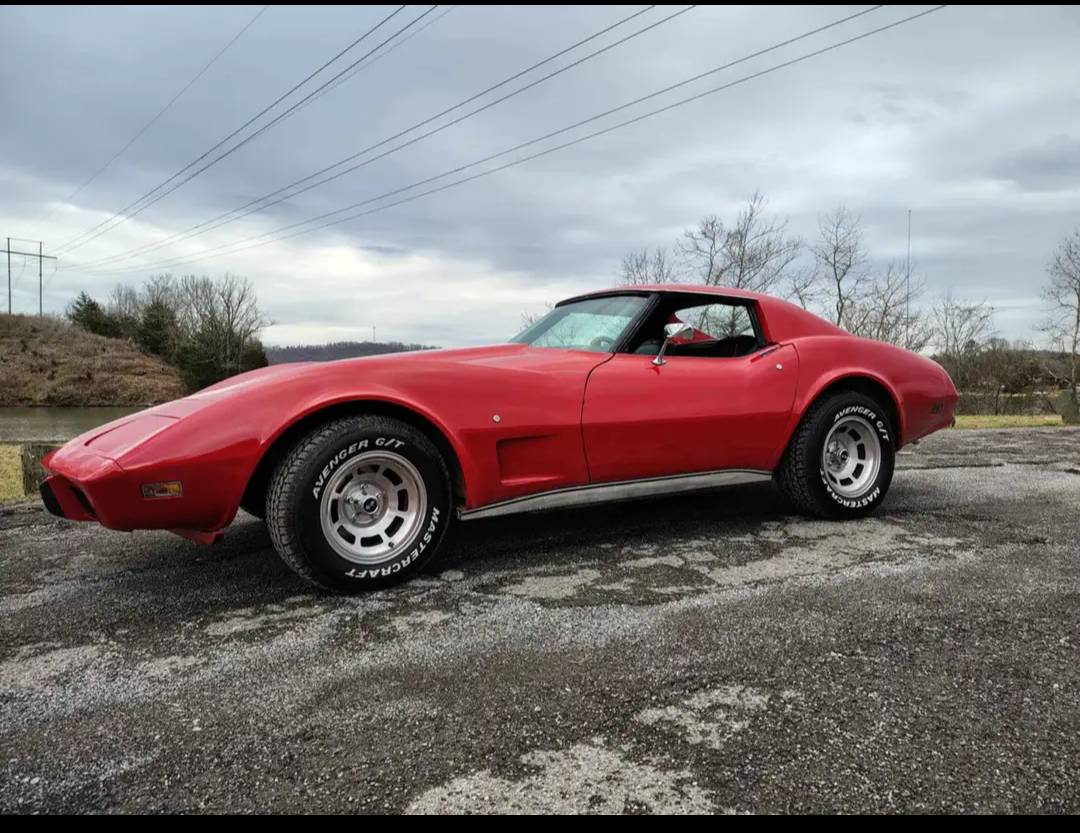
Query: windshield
592, 324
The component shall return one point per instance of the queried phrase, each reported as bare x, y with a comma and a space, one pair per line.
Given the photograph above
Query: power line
128, 212
56, 268
334, 85
382, 55
475, 163
160, 113
253, 206
276, 235
18, 277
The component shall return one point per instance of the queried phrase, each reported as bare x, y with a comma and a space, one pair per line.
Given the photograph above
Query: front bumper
86, 485
66, 500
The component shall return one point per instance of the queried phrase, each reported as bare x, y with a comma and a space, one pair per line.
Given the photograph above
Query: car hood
496, 356
276, 394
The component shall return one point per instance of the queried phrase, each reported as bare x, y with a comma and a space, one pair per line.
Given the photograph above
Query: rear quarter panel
923, 394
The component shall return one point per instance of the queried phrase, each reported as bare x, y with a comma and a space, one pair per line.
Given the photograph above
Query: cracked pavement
711, 653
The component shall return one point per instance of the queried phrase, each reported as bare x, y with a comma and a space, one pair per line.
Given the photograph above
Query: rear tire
839, 463
360, 503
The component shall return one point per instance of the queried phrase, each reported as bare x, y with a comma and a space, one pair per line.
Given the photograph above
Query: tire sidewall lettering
426, 540
867, 413
875, 493
414, 554
349, 451
851, 503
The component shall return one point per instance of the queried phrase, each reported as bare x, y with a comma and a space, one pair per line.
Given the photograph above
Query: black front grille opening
83, 501
50, 501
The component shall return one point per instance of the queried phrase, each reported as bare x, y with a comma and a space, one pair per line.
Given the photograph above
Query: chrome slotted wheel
372, 507
851, 457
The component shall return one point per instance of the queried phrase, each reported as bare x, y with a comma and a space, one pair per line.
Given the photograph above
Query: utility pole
41, 258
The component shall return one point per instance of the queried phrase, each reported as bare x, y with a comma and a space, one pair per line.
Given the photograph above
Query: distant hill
47, 361
338, 350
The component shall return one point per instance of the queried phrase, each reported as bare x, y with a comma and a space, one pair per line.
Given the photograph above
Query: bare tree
960, 325
238, 317
701, 250
195, 304
161, 289
218, 320
961, 330
887, 310
840, 261
757, 250
641, 268
125, 301
125, 307
1063, 297
803, 288
530, 318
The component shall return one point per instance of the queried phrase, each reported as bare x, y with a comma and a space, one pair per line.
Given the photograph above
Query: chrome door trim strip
593, 493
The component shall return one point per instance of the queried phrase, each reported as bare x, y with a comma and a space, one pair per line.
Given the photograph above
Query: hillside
337, 350
46, 361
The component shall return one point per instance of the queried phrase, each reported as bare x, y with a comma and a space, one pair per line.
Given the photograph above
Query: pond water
42, 424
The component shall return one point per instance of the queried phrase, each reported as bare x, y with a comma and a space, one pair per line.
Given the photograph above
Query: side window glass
718, 321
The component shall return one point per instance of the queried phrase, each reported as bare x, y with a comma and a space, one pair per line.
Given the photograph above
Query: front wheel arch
254, 497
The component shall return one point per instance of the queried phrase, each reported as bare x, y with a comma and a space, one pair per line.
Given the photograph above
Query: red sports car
359, 466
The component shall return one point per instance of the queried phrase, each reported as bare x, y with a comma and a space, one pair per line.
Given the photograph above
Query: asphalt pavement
712, 653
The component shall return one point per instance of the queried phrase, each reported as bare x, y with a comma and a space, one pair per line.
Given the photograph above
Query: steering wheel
602, 343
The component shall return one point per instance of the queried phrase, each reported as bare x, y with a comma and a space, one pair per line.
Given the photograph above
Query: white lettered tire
360, 503
839, 463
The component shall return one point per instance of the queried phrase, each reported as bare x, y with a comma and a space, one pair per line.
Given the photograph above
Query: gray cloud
967, 117
1047, 166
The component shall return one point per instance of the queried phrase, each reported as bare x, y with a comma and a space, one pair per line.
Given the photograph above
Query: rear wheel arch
254, 497
867, 386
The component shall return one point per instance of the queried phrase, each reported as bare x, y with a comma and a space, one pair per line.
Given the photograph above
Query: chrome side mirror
679, 330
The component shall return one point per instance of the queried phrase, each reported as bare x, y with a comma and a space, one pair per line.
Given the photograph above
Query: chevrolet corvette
359, 466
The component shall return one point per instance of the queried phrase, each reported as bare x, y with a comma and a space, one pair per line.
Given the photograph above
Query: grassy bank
51, 363
1006, 421
11, 484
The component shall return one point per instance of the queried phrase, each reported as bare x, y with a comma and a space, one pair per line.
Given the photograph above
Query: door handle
768, 351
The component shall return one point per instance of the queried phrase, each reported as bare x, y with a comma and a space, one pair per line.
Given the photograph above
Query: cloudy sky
970, 117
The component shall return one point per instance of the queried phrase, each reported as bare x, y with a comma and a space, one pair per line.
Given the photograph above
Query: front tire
839, 463
360, 503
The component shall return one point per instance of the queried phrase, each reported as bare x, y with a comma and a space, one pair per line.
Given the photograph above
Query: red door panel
688, 415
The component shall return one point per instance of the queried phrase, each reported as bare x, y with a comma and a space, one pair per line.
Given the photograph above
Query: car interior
722, 328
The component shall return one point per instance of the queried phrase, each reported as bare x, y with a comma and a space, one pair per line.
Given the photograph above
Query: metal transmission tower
41, 258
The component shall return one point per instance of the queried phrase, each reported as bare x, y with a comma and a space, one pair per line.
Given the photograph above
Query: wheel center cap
365, 503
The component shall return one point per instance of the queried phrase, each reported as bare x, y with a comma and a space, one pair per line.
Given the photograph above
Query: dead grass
1006, 421
46, 361
11, 483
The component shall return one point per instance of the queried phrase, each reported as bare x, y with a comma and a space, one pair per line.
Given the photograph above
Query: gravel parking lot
701, 654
